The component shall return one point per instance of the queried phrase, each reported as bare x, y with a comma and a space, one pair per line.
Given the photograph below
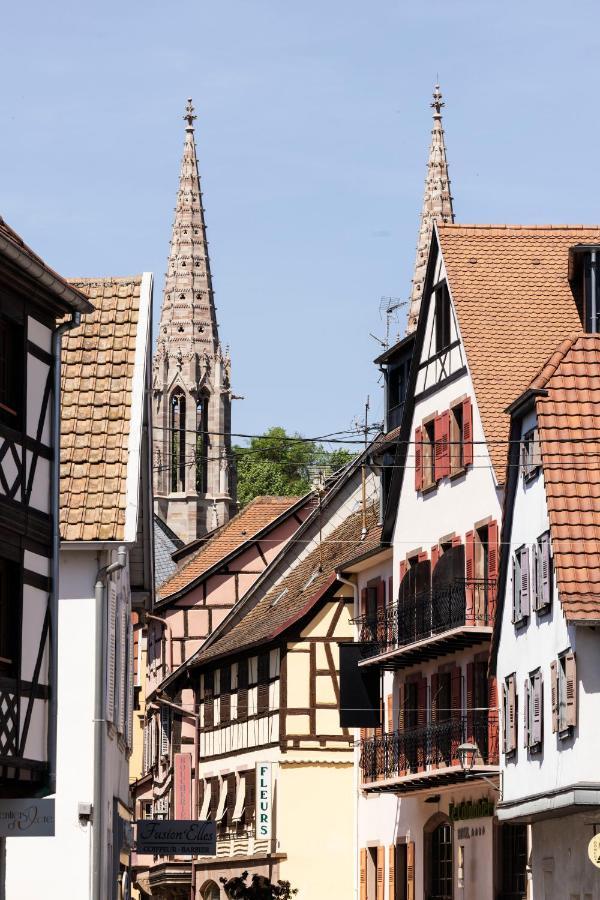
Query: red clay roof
238, 531
294, 594
569, 426
514, 303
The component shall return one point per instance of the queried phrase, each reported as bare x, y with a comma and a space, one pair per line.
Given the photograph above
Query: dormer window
442, 318
584, 275
531, 458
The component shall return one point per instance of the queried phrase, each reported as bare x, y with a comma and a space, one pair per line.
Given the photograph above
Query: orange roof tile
514, 303
241, 529
292, 596
98, 361
568, 420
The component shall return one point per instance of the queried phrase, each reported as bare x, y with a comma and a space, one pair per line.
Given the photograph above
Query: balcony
427, 756
427, 625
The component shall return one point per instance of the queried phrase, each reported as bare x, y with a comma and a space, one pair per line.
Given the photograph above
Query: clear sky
313, 129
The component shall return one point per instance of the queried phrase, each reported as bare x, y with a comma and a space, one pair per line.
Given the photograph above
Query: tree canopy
279, 464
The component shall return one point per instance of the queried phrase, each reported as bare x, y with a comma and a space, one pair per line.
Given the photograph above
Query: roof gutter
45, 276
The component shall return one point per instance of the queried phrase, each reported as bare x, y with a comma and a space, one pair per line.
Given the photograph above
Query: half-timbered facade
546, 643
33, 300
106, 571
429, 632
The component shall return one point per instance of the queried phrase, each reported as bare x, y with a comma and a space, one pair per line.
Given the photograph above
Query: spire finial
189, 115
438, 103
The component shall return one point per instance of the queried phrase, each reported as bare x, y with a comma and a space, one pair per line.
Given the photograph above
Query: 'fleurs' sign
263, 819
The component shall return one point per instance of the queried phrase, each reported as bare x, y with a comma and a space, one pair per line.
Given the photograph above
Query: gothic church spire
437, 205
192, 481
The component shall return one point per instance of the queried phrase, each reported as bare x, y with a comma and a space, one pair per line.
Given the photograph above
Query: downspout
99, 723
169, 634
354, 587
55, 565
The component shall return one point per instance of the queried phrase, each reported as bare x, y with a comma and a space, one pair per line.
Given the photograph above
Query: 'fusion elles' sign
176, 837
264, 819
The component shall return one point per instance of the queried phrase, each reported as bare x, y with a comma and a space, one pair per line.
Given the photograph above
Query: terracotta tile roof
97, 384
294, 594
568, 420
241, 529
514, 304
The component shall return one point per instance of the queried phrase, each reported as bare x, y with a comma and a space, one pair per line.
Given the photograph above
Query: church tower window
202, 444
178, 441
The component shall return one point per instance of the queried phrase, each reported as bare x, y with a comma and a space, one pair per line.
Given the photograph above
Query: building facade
194, 479
106, 572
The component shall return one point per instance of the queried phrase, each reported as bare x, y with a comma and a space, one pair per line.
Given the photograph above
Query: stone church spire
193, 478
437, 205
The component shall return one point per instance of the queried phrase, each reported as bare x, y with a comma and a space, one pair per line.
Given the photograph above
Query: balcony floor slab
432, 647
424, 781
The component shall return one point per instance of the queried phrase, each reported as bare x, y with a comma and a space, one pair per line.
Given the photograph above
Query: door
441, 863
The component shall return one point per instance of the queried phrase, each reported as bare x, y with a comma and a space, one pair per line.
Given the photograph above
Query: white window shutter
165, 730
130, 693
110, 651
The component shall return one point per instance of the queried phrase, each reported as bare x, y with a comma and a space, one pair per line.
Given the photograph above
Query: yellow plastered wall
315, 820
136, 761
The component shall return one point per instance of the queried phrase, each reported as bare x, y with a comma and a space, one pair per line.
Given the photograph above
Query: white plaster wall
559, 859
525, 648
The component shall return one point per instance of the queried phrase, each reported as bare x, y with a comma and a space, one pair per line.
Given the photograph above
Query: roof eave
525, 401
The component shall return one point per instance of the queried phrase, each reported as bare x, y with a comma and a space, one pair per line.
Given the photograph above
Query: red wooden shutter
390, 713
380, 873
418, 458
554, 694
470, 576
422, 702
434, 697
456, 541
390, 590
492, 573
493, 748
435, 555
363, 602
441, 432
182, 785
410, 870
456, 707
363, 873
467, 435
381, 629
392, 872
470, 702
571, 677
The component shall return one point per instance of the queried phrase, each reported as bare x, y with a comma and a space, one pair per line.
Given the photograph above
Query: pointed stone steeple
437, 205
193, 483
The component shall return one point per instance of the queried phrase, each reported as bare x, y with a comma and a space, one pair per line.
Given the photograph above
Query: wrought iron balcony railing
427, 748
419, 616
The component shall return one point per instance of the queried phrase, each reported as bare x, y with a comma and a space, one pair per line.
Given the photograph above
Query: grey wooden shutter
165, 729
538, 709
505, 731
516, 588
130, 694
526, 711
554, 694
571, 679
535, 577
525, 585
512, 713
110, 651
122, 668
545, 563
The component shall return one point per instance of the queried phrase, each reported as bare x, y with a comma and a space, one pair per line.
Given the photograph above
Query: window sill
531, 476
457, 473
429, 488
565, 733
521, 623
544, 610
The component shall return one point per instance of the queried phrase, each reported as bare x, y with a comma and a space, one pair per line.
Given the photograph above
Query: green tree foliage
260, 888
279, 464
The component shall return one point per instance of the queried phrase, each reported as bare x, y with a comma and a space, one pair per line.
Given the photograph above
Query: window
509, 714
10, 605
225, 692
249, 800
165, 730
461, 436
441, 862
531, 458
263, 683
591, 290
533, 709
563, 675
11, 373
147, 811
442, 318
202, 445
520, 585
209, 701
541, 581
513, 874
178, 441
242, 689
444, 445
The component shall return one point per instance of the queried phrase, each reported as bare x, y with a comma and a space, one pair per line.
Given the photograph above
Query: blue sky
313, 128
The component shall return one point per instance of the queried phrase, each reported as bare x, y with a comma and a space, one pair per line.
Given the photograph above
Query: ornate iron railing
430, 747
416, 617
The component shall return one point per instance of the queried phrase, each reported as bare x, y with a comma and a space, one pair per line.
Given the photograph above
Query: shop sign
471, 809
176, 837
466, 832
594, 850
263, 801
26, 818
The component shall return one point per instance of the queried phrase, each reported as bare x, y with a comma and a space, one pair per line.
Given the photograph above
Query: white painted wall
525, 648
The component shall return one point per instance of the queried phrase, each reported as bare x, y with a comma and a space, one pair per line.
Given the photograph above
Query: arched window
211, 891
202, 444
441, 862
178, 441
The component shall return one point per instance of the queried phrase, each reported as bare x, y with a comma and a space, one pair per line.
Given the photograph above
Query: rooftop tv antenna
389, 307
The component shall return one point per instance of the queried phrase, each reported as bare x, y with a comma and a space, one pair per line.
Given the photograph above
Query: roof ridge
483, 226
553, 362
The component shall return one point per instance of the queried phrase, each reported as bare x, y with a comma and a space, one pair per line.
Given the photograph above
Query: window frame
442, 318
531, 461
11, 578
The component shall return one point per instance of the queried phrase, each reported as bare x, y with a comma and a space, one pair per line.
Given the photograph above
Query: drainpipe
99, 723
169, 634
354, 587
54, 508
